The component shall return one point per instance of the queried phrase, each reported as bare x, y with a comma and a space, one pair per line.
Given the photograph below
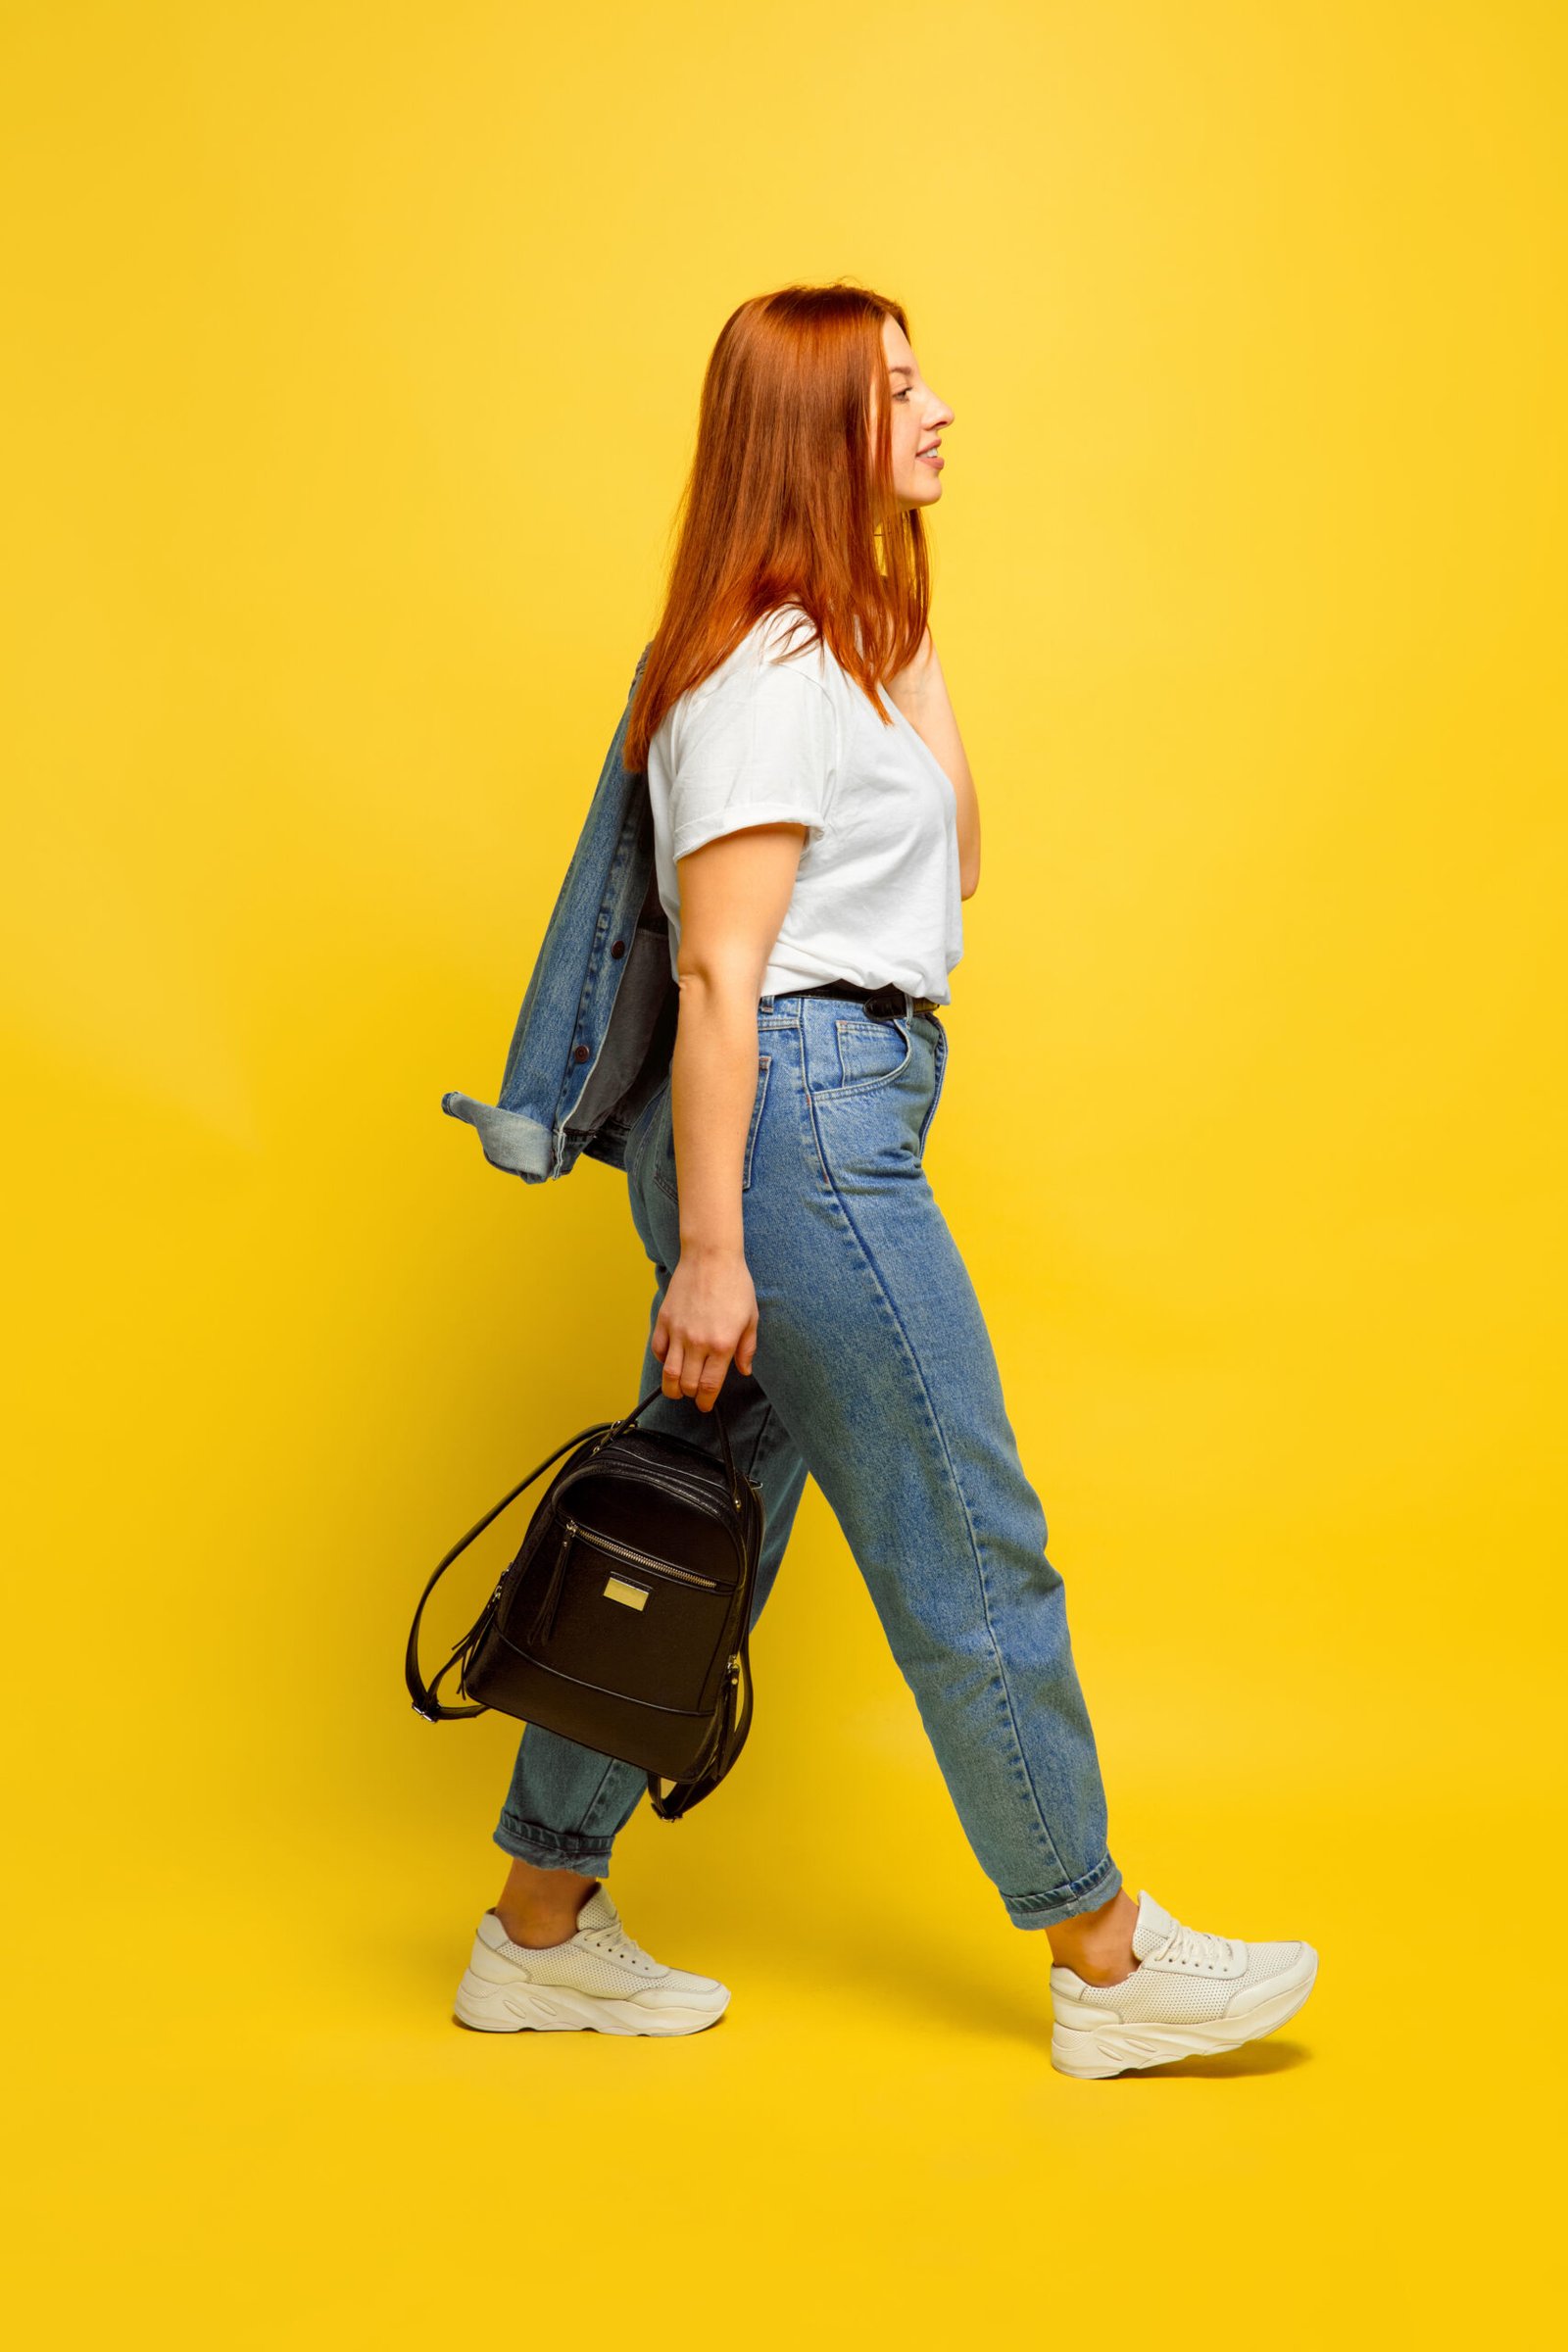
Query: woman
816, 831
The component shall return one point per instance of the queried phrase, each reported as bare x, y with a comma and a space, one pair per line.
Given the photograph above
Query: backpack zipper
676, 1477
644, 1559
676, 1484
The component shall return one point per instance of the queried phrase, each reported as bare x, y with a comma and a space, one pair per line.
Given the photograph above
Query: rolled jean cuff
550, 1850
1064, 1902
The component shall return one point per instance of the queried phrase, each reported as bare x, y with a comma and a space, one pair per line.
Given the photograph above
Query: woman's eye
904, 394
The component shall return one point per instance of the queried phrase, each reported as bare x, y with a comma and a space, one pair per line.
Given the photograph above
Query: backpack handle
611, 1428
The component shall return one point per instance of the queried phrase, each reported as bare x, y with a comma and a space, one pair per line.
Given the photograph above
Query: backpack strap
729, 1741
424, 1699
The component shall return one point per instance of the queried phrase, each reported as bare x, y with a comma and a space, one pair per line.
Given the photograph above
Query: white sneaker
1190, 1992
598, 1979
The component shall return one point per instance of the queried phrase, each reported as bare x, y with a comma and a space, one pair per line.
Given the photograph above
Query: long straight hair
791, 500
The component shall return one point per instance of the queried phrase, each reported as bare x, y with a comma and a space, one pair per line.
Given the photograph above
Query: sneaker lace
616, 1945
1194, 1947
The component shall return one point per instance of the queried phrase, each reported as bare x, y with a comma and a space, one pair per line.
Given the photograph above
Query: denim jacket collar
593, 1040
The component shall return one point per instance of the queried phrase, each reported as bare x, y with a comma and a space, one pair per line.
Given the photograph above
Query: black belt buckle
884, 1001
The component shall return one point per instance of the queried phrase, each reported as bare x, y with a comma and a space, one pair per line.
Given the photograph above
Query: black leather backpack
623, 1621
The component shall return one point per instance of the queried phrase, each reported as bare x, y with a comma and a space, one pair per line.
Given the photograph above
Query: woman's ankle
1097, 1946
538, 1906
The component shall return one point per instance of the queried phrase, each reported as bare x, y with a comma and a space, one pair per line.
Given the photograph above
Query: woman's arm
734, 895
922, 694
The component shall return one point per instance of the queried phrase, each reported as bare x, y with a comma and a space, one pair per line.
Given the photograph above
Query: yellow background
353, 355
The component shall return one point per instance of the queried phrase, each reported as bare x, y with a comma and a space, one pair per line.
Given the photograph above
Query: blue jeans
873, 1371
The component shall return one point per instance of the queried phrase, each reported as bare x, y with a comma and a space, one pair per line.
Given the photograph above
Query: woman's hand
709, 1315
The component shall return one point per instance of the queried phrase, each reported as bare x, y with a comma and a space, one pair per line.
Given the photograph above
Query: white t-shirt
779, 733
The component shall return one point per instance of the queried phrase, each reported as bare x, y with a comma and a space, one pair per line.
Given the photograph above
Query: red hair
790, 500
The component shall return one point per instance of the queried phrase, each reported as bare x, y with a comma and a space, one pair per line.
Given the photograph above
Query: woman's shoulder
777, 642
785, 639
763, 670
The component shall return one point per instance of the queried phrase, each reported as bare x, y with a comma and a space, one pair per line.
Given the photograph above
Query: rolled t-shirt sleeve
760, 750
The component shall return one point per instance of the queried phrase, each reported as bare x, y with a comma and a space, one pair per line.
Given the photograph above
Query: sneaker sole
556, 2009
1120, 2049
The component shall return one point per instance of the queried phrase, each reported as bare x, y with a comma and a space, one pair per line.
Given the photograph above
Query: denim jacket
594, 1038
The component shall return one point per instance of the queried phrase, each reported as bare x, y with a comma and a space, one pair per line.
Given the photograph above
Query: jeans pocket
869, 1054
663, 1162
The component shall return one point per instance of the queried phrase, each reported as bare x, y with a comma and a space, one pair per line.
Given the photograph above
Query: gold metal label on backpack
634, 1596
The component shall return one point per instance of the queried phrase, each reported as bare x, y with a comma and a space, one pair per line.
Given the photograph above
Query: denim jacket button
617, 947
579, 1053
